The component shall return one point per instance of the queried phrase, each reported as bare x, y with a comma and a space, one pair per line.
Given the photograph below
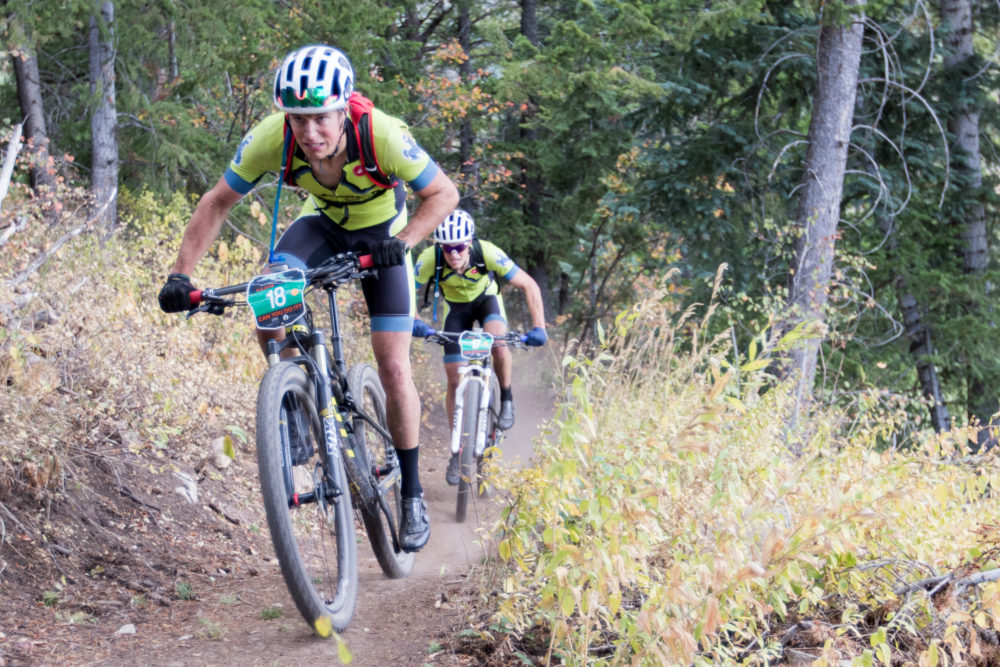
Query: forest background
601, 144
838, 158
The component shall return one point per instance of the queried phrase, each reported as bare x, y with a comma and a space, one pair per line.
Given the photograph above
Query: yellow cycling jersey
467, 286
356, 202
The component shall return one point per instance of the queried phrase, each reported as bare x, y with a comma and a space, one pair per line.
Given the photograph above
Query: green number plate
475, 344
276, 299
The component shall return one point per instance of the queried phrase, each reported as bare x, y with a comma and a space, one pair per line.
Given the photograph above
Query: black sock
506, 395
409, 472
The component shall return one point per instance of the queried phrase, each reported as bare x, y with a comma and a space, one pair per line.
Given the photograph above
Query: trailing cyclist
461, 275
353, 160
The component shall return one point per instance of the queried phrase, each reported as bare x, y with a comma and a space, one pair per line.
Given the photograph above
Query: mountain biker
347, 210
467, 279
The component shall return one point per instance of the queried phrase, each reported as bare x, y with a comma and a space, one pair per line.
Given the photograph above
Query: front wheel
375, 453
314, 541
493, 437
467, 448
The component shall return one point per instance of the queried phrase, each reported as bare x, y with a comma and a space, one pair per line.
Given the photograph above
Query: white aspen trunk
963, 123
839, 57
103, 121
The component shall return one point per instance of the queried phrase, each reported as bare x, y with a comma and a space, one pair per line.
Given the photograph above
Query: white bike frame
476, 348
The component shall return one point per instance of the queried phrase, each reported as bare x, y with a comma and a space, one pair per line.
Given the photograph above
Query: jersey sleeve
497, 261
423, 269
399, 154
258, 153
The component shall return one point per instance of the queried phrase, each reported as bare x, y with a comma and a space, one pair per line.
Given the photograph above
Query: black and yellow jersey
356, 202
468, 286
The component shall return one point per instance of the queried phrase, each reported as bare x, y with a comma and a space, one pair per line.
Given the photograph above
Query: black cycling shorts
463, 316
389, 294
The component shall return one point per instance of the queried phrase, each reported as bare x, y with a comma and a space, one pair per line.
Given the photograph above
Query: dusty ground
196, 581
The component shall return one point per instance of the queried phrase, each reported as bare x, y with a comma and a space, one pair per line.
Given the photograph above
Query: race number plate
276, 299
475, 344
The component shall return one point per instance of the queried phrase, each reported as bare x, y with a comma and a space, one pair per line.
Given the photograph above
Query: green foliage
210, 629
666, 521
184, 590
270, 613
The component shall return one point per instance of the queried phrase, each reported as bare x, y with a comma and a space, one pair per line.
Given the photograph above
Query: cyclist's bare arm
205, 225
437, 200
532, 296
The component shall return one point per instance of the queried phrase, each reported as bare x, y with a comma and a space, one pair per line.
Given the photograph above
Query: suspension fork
329, 415
470, 373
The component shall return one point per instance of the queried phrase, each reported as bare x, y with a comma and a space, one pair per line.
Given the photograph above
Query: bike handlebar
343, 265
512, 338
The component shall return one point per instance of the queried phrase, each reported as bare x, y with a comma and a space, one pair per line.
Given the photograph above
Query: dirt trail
396, 621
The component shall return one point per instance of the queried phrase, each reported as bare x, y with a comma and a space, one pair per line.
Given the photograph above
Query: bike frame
335, 403
329, 374
479, 372
477, 350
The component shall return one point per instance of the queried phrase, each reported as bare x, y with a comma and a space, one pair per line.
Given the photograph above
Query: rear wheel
315, 542
376, 453
467, 448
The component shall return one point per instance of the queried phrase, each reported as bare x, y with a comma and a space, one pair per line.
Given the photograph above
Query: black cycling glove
390, 252
175, 296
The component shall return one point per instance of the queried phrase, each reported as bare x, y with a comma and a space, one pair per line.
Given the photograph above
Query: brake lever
212, 308
203, 308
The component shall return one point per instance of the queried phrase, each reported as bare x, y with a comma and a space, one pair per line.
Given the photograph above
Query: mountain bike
324, 451
474, 428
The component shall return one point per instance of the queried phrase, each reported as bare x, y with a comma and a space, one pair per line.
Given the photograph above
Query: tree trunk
915, 329
537, 261
103, 122
839, 56
921, 349
963, 123
465, 134
41, 173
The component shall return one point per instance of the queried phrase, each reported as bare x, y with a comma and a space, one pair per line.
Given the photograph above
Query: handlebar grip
195, 297
365, 261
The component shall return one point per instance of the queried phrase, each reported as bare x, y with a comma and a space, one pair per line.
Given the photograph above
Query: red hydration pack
360, 143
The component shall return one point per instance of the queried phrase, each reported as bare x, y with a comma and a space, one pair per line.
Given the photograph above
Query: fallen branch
17, 225
978, 578
41, 259
934, 584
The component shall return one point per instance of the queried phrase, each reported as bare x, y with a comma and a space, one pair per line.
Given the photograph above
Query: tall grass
666, 522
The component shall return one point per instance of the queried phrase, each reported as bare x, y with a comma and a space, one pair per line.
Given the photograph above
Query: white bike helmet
314, 79
456, 228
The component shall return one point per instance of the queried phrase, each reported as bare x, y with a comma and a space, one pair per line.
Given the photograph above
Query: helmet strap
343, 129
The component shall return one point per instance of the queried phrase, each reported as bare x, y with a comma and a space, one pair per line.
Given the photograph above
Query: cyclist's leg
494, 320
391, 305
460, 316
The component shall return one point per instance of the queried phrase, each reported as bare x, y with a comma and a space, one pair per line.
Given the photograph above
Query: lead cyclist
346, 210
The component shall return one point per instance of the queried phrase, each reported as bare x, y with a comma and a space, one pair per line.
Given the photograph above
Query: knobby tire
492, 415
315, 543
467, 449
371, 452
